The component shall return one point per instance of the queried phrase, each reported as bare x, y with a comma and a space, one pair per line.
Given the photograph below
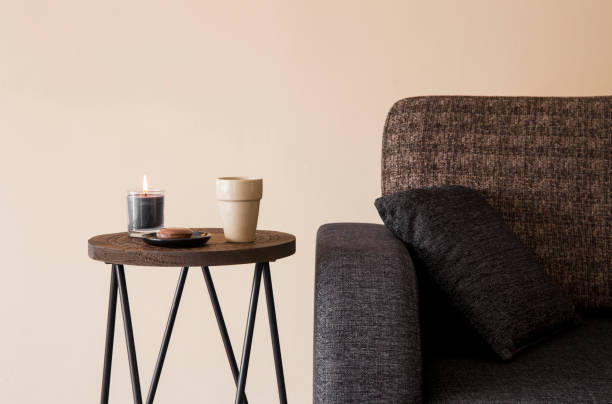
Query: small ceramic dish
197, 239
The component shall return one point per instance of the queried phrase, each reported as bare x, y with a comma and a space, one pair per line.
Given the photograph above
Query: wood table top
120, 248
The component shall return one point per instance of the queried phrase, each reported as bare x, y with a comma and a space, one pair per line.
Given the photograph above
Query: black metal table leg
229, 351
248, 337
110, 336
118, 283
167, 334
129, 334
278, 361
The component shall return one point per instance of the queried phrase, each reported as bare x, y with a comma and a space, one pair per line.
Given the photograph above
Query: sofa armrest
366, 330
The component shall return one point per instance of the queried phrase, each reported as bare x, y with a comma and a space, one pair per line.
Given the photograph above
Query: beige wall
93, 94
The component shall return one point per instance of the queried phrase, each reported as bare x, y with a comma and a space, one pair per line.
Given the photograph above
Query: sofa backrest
543, 162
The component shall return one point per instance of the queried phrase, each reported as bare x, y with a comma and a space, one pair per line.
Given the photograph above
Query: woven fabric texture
476, 260
572, 368
544, 163
367, 346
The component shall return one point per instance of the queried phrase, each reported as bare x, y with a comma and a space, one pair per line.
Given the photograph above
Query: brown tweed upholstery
544, 163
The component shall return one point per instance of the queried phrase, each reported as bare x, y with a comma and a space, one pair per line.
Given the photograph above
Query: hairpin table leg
129, 334
167, 334
229, 351
278, 361
110, 336
248, 337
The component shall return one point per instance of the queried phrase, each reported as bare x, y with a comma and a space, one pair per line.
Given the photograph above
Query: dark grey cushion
476, 260
367, 346
575, 367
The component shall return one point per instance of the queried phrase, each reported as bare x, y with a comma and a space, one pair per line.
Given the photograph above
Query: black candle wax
145, 211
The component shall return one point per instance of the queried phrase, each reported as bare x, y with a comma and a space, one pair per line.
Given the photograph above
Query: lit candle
145, 210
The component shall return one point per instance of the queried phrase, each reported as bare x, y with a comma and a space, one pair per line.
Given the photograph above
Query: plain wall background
95, 94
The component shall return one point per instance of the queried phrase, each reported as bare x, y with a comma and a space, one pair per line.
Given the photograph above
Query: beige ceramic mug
238, 200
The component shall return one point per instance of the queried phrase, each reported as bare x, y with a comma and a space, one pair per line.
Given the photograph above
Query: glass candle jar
145, 211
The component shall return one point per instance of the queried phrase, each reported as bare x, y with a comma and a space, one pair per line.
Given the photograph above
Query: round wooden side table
118, 249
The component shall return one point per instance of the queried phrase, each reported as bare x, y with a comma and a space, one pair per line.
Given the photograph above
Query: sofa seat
574, 367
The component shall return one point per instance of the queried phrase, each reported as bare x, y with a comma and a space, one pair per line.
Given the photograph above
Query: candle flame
145, 184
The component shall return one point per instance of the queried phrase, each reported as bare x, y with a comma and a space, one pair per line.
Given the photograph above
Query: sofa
383, 333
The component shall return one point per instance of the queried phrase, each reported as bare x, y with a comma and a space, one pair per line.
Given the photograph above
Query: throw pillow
480, 264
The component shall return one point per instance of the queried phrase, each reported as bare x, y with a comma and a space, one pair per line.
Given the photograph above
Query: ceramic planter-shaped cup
238, 200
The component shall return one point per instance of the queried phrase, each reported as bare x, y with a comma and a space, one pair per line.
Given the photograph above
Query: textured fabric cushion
367, 346
575, 367
544, 163
476, 260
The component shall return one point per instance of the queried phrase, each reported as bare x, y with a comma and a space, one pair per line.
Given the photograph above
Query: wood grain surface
120, 248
